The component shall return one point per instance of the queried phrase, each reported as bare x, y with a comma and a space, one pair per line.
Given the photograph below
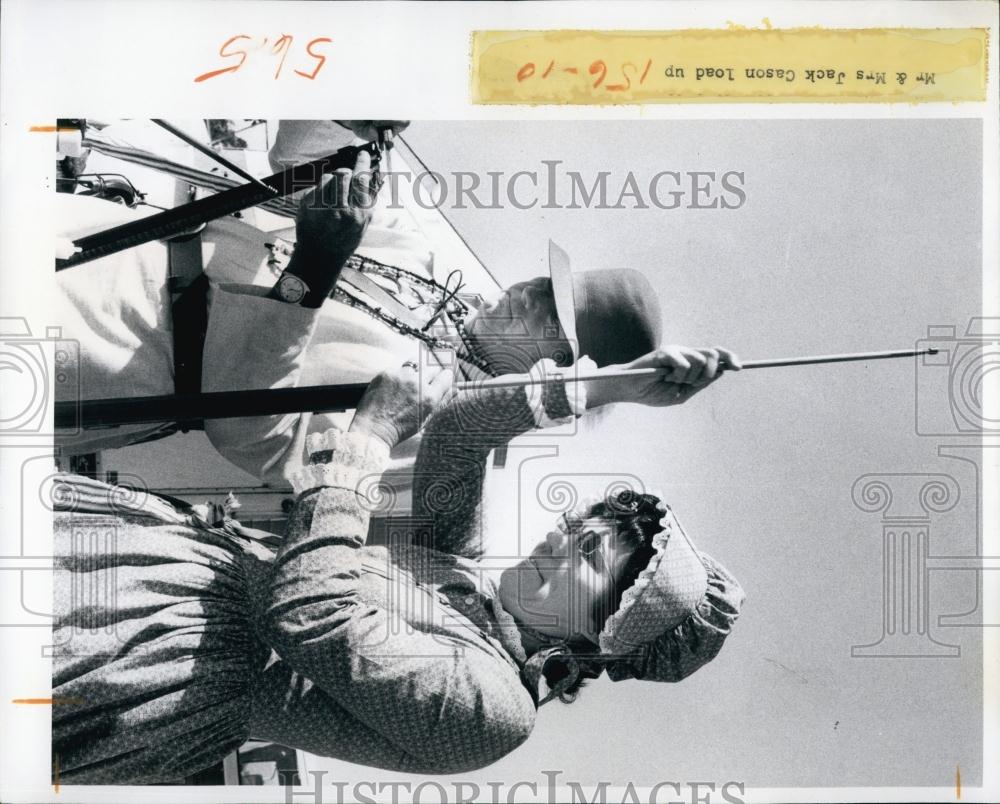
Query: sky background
856, 235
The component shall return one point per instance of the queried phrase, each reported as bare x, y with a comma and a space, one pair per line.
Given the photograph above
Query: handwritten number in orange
628, 81
222, 52
598, 67
284, 42
318, 56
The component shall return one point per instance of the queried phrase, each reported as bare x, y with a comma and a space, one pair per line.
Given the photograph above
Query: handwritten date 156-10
599, 68
235, 48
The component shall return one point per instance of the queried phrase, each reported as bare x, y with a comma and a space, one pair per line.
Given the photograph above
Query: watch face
291, 288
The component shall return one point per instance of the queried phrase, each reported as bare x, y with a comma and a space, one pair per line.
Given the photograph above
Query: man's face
523, 313
564, 585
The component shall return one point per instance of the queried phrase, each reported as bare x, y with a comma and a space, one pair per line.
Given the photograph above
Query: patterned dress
176, 642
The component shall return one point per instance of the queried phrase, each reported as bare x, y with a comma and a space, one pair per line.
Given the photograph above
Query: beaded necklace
405, 286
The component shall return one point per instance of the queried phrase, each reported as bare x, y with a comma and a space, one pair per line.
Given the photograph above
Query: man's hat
610, 315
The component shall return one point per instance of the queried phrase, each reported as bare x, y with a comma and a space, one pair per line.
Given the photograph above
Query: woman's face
560, 588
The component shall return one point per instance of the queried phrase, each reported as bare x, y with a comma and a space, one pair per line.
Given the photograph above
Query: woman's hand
688, 371
396, 403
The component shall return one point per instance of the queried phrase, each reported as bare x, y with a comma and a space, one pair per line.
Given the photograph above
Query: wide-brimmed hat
612, 315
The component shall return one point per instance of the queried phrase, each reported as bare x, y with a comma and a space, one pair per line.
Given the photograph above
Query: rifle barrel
327, 398
617, 374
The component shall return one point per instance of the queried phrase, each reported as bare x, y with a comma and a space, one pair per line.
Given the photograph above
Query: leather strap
188, 285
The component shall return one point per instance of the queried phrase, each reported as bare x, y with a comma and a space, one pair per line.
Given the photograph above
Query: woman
406, 657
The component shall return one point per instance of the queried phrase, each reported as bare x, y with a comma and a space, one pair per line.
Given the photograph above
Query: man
291, 335
599, 317
119, 307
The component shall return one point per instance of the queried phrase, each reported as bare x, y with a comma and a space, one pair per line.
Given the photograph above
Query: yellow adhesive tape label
804, 65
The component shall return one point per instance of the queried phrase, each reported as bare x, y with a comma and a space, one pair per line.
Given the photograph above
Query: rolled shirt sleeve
457, 440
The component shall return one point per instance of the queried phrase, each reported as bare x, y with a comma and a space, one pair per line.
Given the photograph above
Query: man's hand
368, 129
331, 221
688, 371
396, 403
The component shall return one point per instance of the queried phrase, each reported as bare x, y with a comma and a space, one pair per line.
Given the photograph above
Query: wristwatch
291, 288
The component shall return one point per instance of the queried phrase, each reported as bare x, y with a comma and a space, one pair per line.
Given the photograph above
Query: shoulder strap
188, 285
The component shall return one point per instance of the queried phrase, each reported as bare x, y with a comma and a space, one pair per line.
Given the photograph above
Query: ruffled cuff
553, 401
340, 459
693, 642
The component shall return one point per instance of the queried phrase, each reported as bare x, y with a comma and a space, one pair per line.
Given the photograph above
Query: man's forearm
319, 273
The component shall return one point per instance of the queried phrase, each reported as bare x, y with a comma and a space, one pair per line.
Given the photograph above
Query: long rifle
328, 398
